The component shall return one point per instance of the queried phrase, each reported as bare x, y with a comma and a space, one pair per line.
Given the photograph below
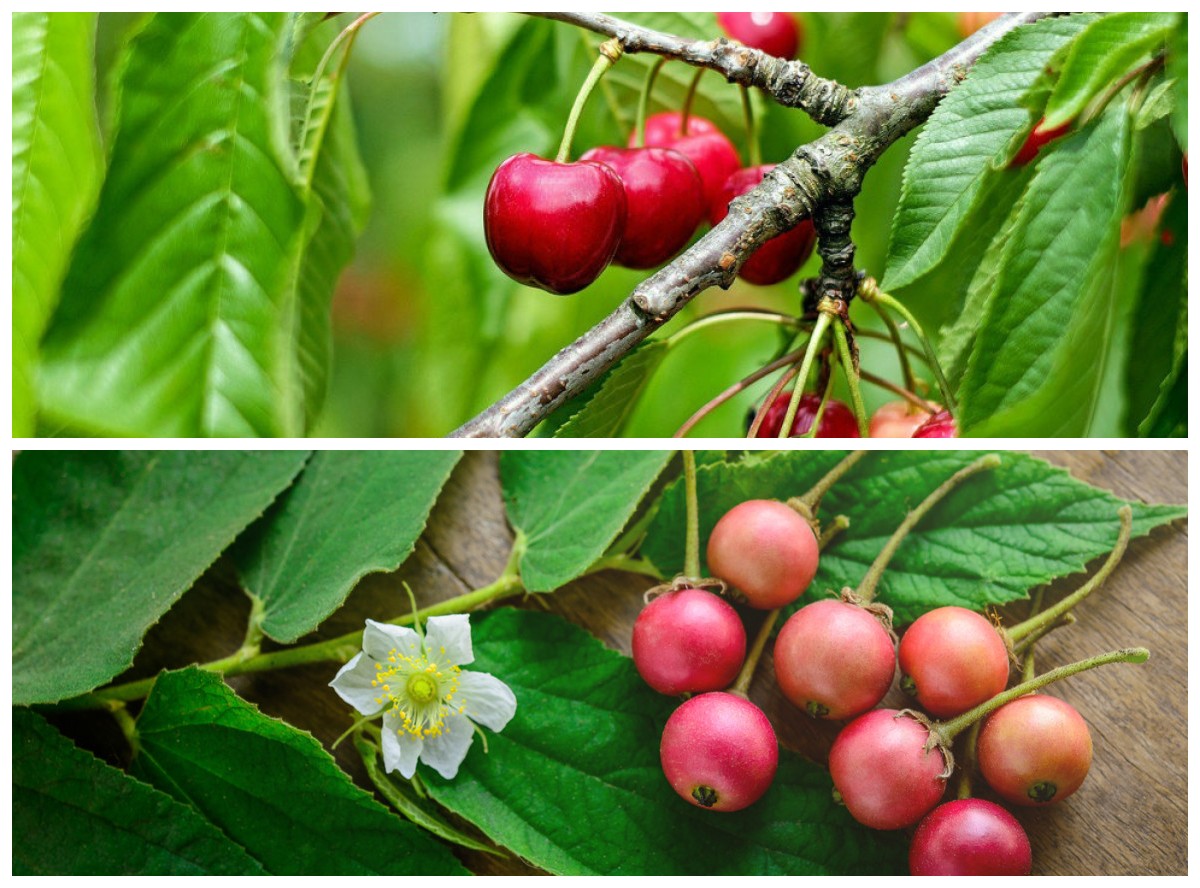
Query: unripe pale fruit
765, 550
688, 641
952, 659
896, 419
1035, 750
883, 773
834, 660
719, 752
970, 837
553, 225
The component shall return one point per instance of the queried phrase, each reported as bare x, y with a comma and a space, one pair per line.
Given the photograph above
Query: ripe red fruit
882, 771
896, 419
970, 837
705, 146
837, 422
940, 425
780, 257
765, 550
834, 660
719, 752
775, 33
688, 641
553, 225
1035, 750
1036, 140
952, 659
663, 201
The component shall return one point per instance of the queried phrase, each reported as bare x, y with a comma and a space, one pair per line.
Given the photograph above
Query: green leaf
1039, 353
105, 542
1177, 68
351, 513
74, 815
967, 137
271, 787
176, 315
605, 413
999, 535
57, 163
586, 736
1108, 48
570, 504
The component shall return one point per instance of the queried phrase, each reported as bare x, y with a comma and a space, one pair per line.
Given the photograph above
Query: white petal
379, 639
400, 749
486, 699
445, 752
448, 639
353, 684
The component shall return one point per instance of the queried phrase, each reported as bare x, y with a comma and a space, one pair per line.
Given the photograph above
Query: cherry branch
826, 172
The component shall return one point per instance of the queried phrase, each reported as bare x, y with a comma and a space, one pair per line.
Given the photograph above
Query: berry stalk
639, 125
691, 558
610, 51
847, 362
818, 333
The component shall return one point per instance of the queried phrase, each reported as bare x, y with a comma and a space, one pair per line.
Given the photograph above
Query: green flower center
420, 690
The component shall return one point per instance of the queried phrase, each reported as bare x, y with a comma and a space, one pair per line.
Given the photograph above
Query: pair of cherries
892, 420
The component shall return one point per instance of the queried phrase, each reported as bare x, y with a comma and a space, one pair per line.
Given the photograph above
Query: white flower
428, 703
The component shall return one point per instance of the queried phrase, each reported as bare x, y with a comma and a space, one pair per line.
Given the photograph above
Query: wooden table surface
1129, 817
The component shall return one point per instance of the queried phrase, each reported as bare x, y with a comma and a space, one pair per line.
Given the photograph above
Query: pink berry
952, 659
766, 550
940, 425
1035, 750
688, 641
896, 419
970, 837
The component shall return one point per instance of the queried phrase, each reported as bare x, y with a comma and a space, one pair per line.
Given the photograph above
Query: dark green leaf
350, 513
998, 536
105, 542
74, 815
1039, 352
1107, 49
57, 163
605, 413
271, 787
586, 736
177, 312
570, 504
1177, 68
968, 136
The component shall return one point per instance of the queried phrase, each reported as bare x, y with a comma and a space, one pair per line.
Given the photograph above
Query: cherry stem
1051, 614
847, 362
686, 113
610, 51
869, 291
819, 416
753, 149
691, 558
778, 387
1025, 648
809, 502
722, 317
948, 730
1028, 668
911, 350
910, 381
968, 760
866, 589
836, 526
823, 321
639, 126
739, 386
912, 398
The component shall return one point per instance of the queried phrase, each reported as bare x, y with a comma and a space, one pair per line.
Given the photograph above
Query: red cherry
838, 421
688, 641
896, 419
1035, 750
553, 225
766, 550
778, 258
705, 146
663, 199
952, 659
970, 837
663, 129
1035, 141
940, 425
775, 33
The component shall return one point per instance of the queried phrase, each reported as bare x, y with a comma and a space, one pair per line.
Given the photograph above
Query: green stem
753, 150
610, 51
968, 762
866, 589
847, 362
910, 381
691, 558
741, 686
1051, 614
1025, 646
818, 333
912, 398
721, 317
808, 503
739, 386
627, 563
128, 727
772, 394
869, 291
639, 126
950, 729
819, 416
686, 113
836, 526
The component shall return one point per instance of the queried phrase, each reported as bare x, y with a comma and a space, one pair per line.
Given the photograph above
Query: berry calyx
553, 225
688, 641
719, 752
663, 198
897, 419
1037, 139
970, 837
765, 550
1035, 750
952, 659
775, 33
940, 425
781, 256
837, 421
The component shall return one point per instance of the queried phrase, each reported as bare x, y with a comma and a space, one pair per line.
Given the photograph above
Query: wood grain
1129, 818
